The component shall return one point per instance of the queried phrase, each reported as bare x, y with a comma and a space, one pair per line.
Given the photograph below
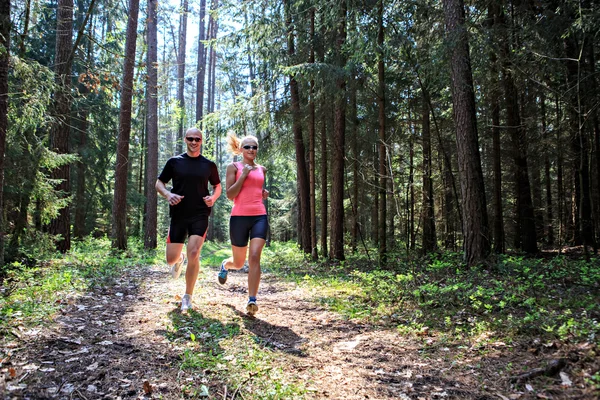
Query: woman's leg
237, 261
256, 247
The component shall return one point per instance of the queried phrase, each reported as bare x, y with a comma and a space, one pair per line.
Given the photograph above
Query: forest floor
128, 340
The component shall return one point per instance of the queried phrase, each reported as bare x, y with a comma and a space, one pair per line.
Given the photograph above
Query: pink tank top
249, 200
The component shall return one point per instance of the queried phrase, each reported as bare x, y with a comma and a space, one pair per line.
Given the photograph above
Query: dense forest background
414, 125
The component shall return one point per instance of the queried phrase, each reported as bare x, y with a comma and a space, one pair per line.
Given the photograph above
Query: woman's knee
254, 258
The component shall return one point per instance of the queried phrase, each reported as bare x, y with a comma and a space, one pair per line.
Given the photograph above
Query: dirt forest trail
115, 343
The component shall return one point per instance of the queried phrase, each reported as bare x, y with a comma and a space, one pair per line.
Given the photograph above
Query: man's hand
174, 199
265, 194
209, 201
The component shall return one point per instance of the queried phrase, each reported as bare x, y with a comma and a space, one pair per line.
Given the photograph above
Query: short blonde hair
234, 143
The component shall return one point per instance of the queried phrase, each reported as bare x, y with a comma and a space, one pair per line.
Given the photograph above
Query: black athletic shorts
182, 228
242, 228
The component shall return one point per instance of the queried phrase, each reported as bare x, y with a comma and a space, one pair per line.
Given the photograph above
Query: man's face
193, 140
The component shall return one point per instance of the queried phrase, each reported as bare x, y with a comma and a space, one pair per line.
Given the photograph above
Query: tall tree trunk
59, 138
301, 168
429, 237
411, 187
534, 153
584, 227
150, 223
79, 228
382, 138
201, 66
4, 61
354, 231
23, 35
559, 175
593, 91
375, 186
525, 235
119, 212
450, 201
549, 230
475, 222
181, 53
311, 144
325, 113
493, 15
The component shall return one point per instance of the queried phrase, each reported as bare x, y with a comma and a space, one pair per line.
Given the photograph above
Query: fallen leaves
147, 388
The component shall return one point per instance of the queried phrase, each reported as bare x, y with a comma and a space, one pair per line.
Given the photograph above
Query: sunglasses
193, 139
248, 147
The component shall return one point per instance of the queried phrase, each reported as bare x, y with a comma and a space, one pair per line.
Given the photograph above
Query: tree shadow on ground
101, 345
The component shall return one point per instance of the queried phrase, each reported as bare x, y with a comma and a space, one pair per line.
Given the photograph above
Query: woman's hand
246, 170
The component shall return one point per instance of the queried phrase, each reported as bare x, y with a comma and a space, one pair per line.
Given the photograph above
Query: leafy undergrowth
32, 294
548, 307
514, 301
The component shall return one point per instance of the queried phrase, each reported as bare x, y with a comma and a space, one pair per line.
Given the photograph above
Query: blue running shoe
251, 307
222, 273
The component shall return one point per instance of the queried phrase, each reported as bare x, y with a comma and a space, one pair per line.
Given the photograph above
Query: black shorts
182, 228
242, 228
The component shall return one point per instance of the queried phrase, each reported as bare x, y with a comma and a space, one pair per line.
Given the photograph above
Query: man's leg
194, 248
174, 252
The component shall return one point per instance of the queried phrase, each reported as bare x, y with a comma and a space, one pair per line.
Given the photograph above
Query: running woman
244, 184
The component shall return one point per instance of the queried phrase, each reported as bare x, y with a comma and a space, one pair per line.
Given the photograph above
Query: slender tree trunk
534, 152
324, 113
355, 166
525, 235
375, 189
596, 132
151, 216
301, 168
411, 187
475, 222
79, 229
181, 53
382, 139
201, 66
449, 208
499, 241
549, 231
4, 61
59, 138
311, 144
429, 237
584, 227
23, 35
121, 168
559, 175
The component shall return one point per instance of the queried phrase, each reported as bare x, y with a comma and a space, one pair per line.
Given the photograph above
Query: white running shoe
186, 303
176, 268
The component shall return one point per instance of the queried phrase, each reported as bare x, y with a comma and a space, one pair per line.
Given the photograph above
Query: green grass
223, 353
33, 294
554, 298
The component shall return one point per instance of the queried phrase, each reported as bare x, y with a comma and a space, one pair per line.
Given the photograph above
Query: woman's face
249, 149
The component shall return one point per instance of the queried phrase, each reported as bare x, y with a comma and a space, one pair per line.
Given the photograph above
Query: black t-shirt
190, 177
